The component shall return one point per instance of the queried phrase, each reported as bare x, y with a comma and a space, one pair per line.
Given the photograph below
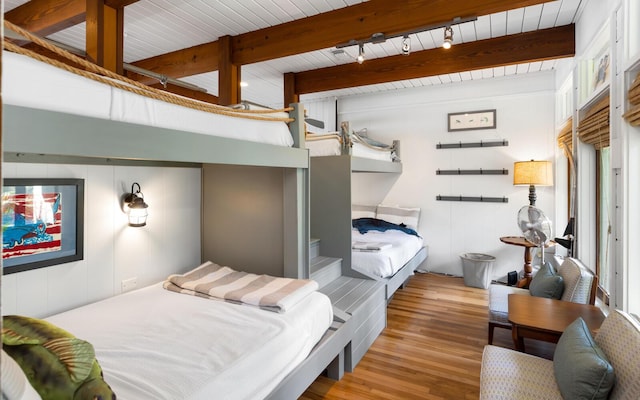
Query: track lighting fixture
448, 37
406, 46
381, 37
360, 58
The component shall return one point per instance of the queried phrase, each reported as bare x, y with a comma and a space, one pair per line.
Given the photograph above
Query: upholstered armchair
603, 366
580, 285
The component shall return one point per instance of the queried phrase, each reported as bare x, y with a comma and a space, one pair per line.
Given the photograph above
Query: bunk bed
331, 214
356, 144
216, 346
49, 123
385, 244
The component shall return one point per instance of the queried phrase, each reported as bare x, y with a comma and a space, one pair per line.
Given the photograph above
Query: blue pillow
546, 283
581, 368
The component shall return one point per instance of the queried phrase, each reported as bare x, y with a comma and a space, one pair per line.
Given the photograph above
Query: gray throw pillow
581, 368
546, 283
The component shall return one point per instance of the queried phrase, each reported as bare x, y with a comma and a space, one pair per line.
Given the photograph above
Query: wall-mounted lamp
448, 37
532, 173
134, 206
360, 57
406, 46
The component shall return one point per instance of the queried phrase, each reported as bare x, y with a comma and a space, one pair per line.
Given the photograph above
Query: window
603, 220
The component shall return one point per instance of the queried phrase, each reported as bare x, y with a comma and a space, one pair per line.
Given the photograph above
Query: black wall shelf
462, 145
481, 199
472, 171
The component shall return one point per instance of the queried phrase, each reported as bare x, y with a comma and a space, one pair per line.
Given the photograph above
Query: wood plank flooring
431, 348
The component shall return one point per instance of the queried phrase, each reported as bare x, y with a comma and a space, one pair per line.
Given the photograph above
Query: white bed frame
39, 136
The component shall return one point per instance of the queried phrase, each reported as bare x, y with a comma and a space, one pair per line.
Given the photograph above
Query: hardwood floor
431, 348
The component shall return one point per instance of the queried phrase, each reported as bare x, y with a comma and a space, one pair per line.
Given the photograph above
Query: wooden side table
528, 268
545, 319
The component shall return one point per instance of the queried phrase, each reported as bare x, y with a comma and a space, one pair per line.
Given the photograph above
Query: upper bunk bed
365, 154
74, 113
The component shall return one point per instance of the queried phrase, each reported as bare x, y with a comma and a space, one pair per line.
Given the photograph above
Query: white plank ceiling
154, 27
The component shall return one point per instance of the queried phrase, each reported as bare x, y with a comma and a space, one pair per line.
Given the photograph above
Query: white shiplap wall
418, 117
113, 251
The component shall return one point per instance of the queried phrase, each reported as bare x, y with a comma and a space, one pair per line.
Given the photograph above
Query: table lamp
532, 173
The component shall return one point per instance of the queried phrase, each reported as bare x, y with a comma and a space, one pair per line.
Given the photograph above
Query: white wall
418, 117
113, 251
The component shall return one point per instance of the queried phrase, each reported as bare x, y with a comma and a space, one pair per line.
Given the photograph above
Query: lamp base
532, 195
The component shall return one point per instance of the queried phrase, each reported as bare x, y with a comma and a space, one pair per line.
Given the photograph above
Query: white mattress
30, 83
331, 146
157, 344
386, 262
328, 146
360, 150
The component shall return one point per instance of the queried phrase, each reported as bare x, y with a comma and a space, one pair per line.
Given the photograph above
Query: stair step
325, 269
314, 248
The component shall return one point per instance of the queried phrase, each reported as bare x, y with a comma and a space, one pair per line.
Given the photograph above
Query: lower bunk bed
385, 244
153, 343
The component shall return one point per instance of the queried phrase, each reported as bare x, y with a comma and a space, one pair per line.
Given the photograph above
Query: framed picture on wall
42, 223
471, 120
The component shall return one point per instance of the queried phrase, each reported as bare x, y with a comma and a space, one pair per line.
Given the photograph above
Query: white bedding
30, 83
156, 344
360, 150
331, 146
388, 261
326, 145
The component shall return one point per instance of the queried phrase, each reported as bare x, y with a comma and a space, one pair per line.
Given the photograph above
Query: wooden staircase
359, 315
323, 269
358, 303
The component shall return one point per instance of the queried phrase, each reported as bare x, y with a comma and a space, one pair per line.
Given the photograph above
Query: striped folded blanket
213, 281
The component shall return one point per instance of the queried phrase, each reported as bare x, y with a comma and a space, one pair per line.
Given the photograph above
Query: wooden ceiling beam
322, 31
359, 22
105, 35
506, 50
44, 17
178, 64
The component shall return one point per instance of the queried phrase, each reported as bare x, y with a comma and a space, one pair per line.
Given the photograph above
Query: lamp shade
538, 173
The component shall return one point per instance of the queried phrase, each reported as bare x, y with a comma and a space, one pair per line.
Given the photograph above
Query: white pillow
399, 215
15, 385
362, 211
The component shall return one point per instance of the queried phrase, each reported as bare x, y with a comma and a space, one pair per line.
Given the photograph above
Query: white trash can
477, 269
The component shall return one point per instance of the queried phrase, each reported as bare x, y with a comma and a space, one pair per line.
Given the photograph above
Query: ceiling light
360, 57
448, 37
243, 84
406, 46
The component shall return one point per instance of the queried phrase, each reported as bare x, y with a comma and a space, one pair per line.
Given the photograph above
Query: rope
363, 142
124, 83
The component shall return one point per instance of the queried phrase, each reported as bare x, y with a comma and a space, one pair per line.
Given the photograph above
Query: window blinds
593, 129
564, 138
633, 115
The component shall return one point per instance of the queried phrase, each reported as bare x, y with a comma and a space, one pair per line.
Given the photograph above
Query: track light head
448, 37
406, 46
360, 57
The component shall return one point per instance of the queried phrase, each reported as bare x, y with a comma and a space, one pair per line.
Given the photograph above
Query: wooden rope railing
372, 147
99, 74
